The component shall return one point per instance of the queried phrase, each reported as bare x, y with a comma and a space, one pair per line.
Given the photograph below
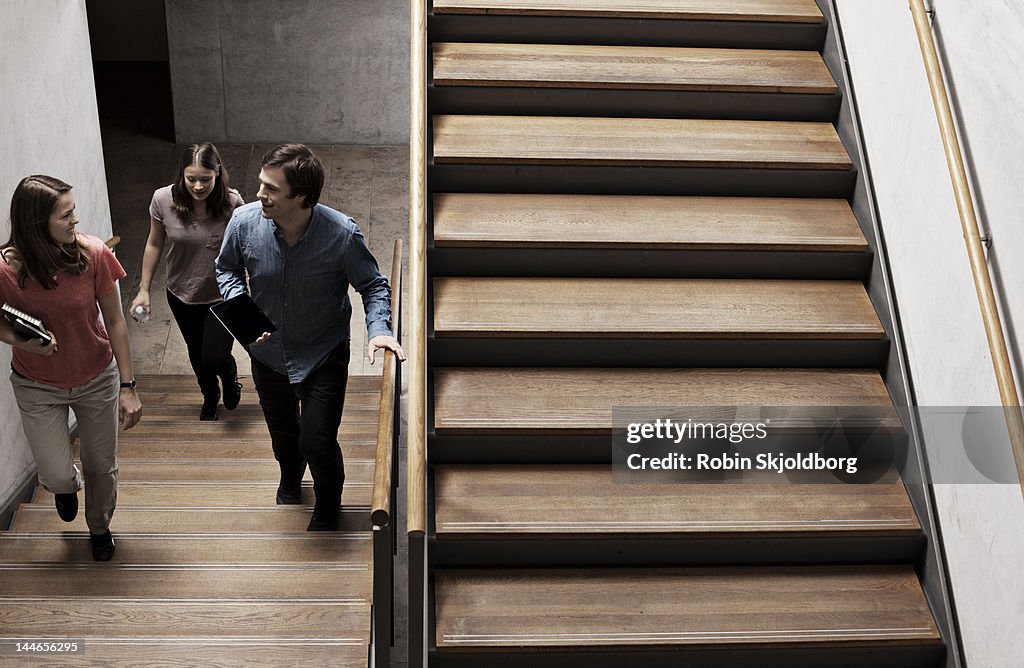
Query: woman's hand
129, 408
37, 346
142, 299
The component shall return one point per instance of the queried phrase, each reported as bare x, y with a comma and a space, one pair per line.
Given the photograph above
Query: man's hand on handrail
386, 342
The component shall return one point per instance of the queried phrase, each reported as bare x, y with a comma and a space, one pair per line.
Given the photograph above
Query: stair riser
575, 350
782, 550
648, 263
839, 657
626, 32
632, 103
573, 447
624, 180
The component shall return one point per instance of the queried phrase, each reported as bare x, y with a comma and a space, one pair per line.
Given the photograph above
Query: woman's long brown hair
219, 199
39, 256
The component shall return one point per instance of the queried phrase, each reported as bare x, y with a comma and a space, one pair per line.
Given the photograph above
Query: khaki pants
44, 416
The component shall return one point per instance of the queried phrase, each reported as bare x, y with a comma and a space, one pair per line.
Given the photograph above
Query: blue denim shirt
303, 289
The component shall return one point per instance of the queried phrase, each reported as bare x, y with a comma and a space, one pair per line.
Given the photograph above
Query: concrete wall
983, 525
127, 30
49, 125
316, 71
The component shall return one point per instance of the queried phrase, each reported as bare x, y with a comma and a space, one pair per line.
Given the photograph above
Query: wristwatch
130, 384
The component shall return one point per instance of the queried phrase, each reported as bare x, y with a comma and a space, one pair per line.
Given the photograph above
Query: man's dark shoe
208, 413
324, 519
289, 495
67, 506
102, 546
232, 394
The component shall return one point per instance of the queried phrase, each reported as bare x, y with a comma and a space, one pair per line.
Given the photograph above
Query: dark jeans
208, 343
303, 420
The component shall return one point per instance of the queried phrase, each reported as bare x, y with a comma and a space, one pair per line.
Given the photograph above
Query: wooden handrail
972, 237
380, 512
417, 366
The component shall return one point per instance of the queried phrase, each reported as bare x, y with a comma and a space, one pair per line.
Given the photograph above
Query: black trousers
208, 343
303, 420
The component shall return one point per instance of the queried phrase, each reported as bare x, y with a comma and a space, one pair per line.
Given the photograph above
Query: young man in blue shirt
301, 257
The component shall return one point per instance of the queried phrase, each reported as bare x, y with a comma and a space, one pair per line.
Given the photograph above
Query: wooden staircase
208, 570
636, 204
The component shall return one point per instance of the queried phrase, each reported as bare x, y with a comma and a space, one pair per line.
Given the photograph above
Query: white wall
49, 125
983, 525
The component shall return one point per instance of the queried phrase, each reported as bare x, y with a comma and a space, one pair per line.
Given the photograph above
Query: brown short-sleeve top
192, 247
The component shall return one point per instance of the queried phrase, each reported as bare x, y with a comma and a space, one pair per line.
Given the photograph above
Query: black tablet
242, 318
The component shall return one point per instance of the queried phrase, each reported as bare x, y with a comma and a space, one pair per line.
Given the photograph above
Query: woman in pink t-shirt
67, 279
188, 219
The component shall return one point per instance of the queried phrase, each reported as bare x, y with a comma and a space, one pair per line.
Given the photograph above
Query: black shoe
324, 519
208, 412
102, 546
67, 506
232, 394
289, 495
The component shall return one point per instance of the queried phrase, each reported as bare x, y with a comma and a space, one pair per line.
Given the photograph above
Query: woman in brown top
188, 218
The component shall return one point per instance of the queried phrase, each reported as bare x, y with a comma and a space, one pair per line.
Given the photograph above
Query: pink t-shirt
72, 313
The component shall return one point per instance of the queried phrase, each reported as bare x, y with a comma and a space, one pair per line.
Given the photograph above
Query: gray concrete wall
127, 30
983, 524
315, 71
49, 125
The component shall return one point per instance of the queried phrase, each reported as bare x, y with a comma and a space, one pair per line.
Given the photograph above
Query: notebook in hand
25, 325
242, 318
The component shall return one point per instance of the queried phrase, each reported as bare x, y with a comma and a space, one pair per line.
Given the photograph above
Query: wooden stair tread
253, 471
771, 607
645, 222
653, 308
191, 549
239, 620
344, 583
278, 519
219, 653
239, 495
357, 384
158, 400
248, 416
630, 67
792, 11
190, 447
227, 430
484, 400
547, 501
637, 142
